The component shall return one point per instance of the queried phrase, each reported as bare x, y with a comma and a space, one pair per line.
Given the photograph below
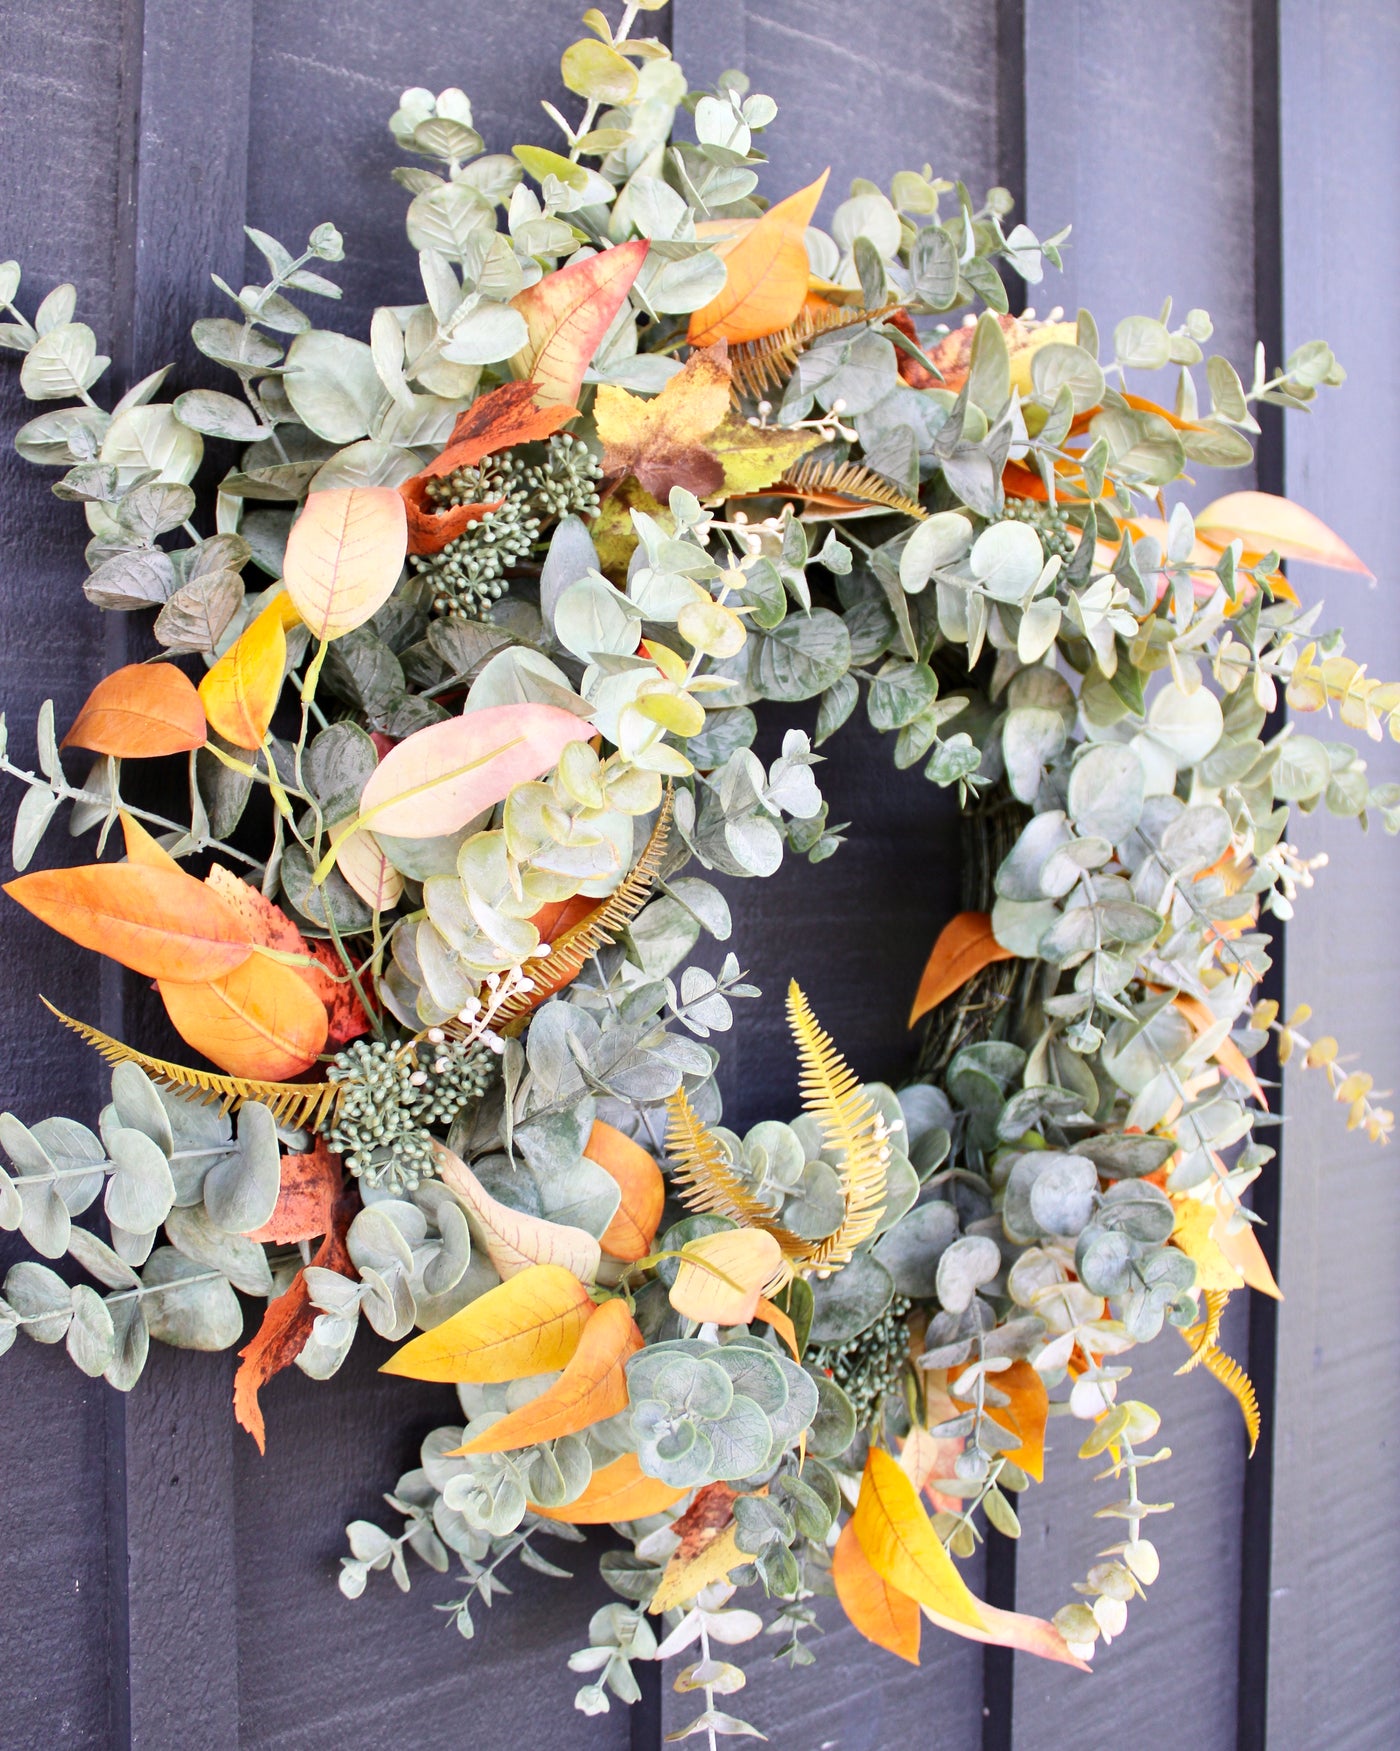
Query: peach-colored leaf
964, 947
306, 1198
619, 1491
513, 1240
530, 1324
593, 1386
721, 1277
633, 1228
160, 922
567, 314
365, 867
437, 779
240, 692
344, 556
140, 711
767, 274
1011, 1629
1267, 523
880, 1612
261, 1020
899, 1541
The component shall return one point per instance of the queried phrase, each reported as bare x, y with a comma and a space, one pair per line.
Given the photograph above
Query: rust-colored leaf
964, 947
630, 1233
527, 1325
593, 1386
880, 1612
240, 692
287, 1323
567, 313
767, 274
310, 1186
618, 1492
706, 1552
140, 711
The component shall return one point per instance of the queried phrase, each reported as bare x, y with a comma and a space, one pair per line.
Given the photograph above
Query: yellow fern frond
1238, 1384
296, 1104
860, 486
1202, 1336
707, 1184
757, 367
851, 1127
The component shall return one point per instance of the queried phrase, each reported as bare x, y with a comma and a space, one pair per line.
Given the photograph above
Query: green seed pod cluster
391, 1096
868, 1366
1057, 534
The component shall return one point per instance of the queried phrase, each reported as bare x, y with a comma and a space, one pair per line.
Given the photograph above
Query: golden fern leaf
850, 1125
846, 480
707, 1183
1238, 1384
296, 1104
758, 367
1202, 1336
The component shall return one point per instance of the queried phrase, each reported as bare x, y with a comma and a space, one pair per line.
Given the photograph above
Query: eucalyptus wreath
458, 656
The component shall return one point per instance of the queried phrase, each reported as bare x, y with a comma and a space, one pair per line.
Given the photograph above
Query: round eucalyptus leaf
910, 1251
818, 1205
448, 1265
131, 1342
39, 1295
91, 1337
141, 1190
1018, 877
969, 1262
332, 384
193, 1308
1139, 1210
1006, 560
1030, 739
1186, 725
240, 1190
1063, 1192
850, 1300
938, 541
834, 1425
45, 1221
741, 1441
139, 1106
1103, 1260
242, 1261
803, 657
1106, 792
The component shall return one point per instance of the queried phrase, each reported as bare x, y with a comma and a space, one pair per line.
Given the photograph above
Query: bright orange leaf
767, 274
240, 692
964, 947
899, 1541
880, 1612
140, 711
260, 1020
567, 313
630, 1233
618, 1491
529, 1324
722, 1276
310, 1186
344, 555
593, 1386
780, 1323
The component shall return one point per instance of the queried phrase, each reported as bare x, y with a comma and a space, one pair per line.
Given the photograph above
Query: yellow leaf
755, 457
662, 443
344, 556
964, 947
365, 867
513, 1240
618, 1492
899, 1541
1192, 1233
880, 1612
722, 1276
239, 694
593, 1386
1267, 523
766, 283
596, 71
683, 1579
530, 1324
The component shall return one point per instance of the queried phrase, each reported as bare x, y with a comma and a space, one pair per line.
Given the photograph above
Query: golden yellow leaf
239, 694
593, 1386
618, 1492
899, 1541
707, 1550
1192, 1233
513, 1240
767, 274
880, 1612
344, 556
965, 945
530, 1324
722, 1276
1267, 523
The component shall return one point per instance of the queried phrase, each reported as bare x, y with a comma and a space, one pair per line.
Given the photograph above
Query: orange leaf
567, 313
706, 1551
527, 1325
768, 271
310, 1186
140, 711
964, 947
1030, 1407
593, 1386
899, 1542
287, 1323
1267, 523
344, 556
160, 922
618, 1492
1227, 1054
1012, 1629
630, 1233
142, 847
506, 416
665, 442
513, 1240
780, 1323
722, 1276
240, 692
260, 1020
880, 1612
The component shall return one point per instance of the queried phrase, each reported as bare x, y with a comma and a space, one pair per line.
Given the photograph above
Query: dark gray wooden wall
164, 1587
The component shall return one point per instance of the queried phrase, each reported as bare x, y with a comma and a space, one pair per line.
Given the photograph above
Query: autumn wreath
479, 617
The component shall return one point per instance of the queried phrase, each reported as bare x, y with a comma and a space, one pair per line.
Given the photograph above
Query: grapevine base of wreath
453, 680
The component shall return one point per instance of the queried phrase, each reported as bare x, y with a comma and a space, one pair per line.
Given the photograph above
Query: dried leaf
767, 274
620, 1491
240, 692
707, 1549
140, 711
721, 1276
513, 1240
630, 1233
880, 1612
529, 1324
593, 1386
901, 1546
287, 1323
567, 313
964, 947
311, 1183
262, 1019
844, 489
344, 556
1267, 523
708, 1184
661, 443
